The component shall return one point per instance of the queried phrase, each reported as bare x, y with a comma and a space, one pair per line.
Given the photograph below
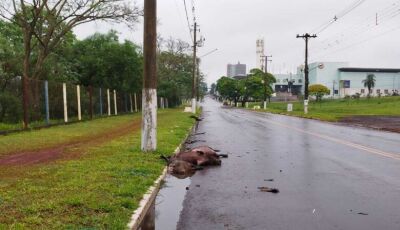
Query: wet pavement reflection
169, 202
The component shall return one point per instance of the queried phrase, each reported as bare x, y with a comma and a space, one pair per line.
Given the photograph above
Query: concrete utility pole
149, 99
265, 69
306, 37
194, 68
198, 82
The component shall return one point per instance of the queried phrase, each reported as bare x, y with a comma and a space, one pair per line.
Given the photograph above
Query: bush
356, 96
318, 91
10, 109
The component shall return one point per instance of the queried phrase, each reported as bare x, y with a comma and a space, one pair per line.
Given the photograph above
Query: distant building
236, 70
259, 53
343, 80
288, 83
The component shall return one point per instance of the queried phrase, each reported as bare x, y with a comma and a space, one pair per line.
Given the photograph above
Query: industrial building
344, 80
288, 83
341, 79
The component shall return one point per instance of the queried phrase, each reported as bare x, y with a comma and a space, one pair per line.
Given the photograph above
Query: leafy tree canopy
318, 91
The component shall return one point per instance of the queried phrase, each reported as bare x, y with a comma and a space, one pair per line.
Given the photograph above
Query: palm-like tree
369, 82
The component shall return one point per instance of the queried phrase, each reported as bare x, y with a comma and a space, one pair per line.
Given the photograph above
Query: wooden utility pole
194, 68
306, 37
149, 99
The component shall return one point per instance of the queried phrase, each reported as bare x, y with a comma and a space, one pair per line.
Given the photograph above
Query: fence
52, 103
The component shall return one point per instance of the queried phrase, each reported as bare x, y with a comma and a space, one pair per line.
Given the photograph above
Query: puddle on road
169, 202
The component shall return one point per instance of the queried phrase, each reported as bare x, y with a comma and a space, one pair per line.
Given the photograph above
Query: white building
343, 80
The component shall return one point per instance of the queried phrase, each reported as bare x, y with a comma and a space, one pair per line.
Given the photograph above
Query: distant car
225, 103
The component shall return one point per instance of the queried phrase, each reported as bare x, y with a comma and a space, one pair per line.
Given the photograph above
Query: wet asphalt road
327, 174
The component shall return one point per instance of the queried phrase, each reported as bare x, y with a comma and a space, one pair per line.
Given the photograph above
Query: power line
187, 19
356, 31
180, 17
338, 16
386, 14
363, 41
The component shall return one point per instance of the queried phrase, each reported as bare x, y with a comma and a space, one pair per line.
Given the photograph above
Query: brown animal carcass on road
197, 157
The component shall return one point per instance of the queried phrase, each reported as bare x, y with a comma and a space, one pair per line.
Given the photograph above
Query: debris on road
196, 134
194, 141
363, 213
270, 180
266, 189
196, 118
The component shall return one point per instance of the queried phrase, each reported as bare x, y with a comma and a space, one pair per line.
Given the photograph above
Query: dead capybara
198, 158
181, 167
208, 151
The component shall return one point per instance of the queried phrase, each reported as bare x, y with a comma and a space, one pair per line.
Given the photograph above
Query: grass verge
334, 110
54, 136
100, 190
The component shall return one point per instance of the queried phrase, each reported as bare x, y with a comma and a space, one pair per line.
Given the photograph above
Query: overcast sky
233, 26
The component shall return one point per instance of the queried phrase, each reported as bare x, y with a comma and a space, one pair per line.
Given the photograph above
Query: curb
149, 197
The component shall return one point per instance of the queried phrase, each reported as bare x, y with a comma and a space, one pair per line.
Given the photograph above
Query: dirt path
386, 123
68, 150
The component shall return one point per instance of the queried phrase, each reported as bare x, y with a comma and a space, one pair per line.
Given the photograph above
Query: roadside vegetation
98, 187
98, 61
334, 110
257, 85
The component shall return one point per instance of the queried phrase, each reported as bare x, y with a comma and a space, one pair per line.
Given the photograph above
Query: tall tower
259, 53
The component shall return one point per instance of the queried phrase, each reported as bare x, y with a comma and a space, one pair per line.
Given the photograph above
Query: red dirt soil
386, 123
69, 150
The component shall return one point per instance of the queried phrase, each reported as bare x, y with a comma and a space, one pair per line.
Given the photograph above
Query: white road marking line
339, 141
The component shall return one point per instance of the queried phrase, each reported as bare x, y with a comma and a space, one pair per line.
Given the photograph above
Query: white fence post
136, 108
108, 103
78, 96
115, 102
130, 100
65, 102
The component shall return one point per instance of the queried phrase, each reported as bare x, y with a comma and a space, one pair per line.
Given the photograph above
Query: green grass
334, 110
49, 137
6, 127
99, 190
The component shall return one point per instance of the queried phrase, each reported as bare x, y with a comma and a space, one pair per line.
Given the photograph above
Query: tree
251, 87
10, 68
101, 60
44, 25
318, 91
228, 88
212, 88
268, 80
369, 82
175, 66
